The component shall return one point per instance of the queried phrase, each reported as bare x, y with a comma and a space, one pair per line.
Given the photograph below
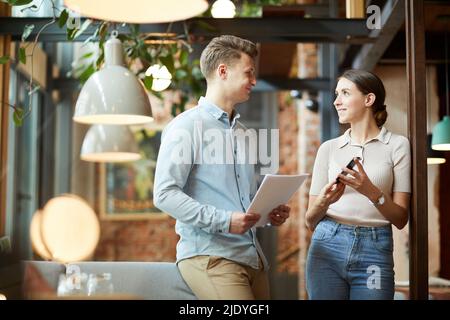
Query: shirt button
242, 198
238, 176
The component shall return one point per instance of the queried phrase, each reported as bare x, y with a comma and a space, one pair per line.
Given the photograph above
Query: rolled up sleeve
320, 170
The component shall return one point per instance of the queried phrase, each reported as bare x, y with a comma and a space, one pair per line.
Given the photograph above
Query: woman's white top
387, 162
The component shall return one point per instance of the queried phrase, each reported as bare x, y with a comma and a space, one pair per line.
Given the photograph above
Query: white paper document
274, 191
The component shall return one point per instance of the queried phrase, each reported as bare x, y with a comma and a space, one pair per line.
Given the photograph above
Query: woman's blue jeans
350, 262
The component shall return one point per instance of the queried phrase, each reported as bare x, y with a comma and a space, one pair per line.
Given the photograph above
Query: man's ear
370, 99
222, 71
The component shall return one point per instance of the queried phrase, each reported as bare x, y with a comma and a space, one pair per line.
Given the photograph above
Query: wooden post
415, 71
5, 46
355, 9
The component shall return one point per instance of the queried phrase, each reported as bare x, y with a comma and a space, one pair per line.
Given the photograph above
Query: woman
351, 210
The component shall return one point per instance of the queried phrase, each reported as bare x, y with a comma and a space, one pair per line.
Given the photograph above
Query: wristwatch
380, 201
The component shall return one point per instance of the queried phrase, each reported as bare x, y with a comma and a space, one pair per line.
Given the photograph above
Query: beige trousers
216, 278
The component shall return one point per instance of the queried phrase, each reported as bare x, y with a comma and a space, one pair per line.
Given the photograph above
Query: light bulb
161, 77
223, 9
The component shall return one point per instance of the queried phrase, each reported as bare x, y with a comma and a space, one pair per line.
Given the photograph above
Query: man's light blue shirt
201, 191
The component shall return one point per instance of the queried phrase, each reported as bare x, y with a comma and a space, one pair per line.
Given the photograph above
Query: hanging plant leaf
4, 59
87, 55
22, 55
82, 29
100, 60
184, 58
148, 82
134, 29
84, 76
181, 74
18, 116
102, 32
124, 37
93, 37
130, 51
158, 95
18, 2
27, 31
168, 62
63, 18
71, 33
197, 73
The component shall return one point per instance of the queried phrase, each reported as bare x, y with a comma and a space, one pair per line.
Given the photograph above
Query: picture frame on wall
126, 189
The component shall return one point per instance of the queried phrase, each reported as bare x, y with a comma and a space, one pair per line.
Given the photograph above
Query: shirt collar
215, 111
384, 136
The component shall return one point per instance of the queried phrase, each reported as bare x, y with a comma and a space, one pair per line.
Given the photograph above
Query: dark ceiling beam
392, 18
271, 29
318, 10
279, 84
434, 49
262, 84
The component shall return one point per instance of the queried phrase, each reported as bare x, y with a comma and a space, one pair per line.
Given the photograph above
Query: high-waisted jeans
350, 262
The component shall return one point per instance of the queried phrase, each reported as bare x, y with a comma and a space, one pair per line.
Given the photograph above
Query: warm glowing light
109, 143
138, 11
69, 229
161, 77
223, 9
435, 160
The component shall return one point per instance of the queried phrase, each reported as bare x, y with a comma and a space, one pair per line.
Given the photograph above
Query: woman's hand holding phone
359, 181
331, 193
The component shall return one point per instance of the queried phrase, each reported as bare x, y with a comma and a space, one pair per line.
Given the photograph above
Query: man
218, 254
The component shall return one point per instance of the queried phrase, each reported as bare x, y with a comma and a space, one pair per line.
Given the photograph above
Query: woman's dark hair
367, 82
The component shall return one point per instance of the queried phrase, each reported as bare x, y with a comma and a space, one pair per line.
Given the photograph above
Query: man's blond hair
225, 49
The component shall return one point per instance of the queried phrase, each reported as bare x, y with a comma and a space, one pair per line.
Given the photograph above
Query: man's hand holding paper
271, 198
279, 215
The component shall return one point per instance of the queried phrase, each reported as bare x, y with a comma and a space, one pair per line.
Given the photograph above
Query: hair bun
381, 115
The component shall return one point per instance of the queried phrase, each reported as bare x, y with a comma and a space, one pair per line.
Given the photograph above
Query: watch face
381, 200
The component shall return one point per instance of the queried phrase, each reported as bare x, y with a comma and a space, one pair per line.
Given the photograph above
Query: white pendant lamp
138, 11
109, 143
113, 95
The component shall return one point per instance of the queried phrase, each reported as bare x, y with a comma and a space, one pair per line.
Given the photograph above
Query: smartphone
350, 166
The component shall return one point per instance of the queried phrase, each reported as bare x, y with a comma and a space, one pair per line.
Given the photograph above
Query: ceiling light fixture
138, 11
113, 95
109, 143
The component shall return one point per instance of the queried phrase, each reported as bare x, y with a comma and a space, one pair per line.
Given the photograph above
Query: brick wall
146, 240
288, 233
309, 142
136, 240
